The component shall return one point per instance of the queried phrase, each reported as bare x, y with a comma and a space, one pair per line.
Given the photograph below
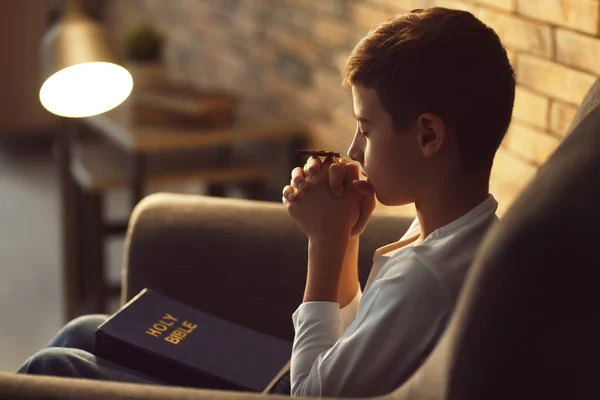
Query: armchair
527, 321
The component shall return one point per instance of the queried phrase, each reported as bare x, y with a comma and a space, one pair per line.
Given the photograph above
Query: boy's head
439, 82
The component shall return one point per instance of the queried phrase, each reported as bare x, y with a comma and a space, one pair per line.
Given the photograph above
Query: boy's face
391, 160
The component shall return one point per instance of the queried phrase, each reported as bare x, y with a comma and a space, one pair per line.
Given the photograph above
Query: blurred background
233, 84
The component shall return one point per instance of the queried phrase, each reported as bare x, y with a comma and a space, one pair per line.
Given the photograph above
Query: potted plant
144, 45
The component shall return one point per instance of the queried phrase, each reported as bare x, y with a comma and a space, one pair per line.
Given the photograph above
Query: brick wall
287, 55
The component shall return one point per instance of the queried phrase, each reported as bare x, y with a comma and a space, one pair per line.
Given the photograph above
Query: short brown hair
442, 61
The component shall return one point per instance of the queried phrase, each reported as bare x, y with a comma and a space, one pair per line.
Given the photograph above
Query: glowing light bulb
86, 89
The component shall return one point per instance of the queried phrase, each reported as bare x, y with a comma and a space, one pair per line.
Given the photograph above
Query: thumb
367, 205
364, 188
352, 172
337, 175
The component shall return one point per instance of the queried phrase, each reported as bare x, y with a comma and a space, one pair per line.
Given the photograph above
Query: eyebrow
362, 119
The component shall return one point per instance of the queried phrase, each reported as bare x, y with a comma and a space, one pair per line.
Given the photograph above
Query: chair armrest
241, 260
30, 387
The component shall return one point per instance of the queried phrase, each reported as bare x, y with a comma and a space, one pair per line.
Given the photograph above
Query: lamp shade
80, 71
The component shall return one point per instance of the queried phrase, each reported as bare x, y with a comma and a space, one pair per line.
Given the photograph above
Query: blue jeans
70, 354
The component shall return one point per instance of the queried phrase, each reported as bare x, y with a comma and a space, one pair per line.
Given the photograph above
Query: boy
433, 92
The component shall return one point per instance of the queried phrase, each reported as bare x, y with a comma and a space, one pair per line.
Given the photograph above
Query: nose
354, 151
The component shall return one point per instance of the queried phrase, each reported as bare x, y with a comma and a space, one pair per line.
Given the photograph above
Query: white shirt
374, 344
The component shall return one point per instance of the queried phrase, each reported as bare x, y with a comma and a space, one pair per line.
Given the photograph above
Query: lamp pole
74, 7
82, 77
70, 255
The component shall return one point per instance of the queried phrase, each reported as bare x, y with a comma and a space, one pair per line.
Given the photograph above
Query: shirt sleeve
400, 317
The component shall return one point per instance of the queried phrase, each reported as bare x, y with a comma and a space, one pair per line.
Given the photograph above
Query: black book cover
183, 346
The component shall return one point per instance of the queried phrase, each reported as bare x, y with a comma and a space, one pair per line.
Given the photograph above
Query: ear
432, 134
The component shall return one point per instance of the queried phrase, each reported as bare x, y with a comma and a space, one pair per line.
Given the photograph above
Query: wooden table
141, 142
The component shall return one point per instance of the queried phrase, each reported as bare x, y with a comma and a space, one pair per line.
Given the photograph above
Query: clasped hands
327, 200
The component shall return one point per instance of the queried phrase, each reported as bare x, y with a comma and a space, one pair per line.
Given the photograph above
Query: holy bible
182, 346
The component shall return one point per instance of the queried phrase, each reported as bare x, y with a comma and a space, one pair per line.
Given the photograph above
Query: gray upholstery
527, 322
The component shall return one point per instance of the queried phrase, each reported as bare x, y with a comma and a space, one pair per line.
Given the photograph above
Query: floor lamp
81, 78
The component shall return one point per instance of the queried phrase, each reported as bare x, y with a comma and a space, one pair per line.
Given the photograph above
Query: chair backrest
527, 325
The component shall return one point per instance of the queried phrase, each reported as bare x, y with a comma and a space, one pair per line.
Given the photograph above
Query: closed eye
360, 131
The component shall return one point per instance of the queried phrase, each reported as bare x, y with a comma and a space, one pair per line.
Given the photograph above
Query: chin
381, 198
392, 201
